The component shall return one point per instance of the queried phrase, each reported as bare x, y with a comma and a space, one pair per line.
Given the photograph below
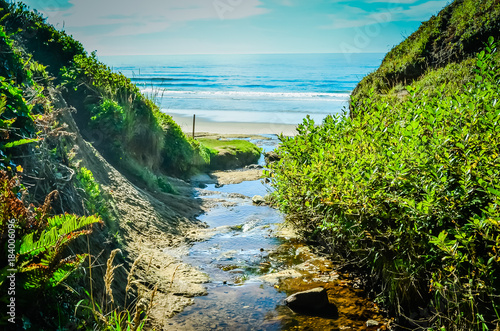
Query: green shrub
17, 118
108, 116
410, 192
53, 48
94, 201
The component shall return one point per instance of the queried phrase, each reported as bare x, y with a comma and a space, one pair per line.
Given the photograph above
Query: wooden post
194, 123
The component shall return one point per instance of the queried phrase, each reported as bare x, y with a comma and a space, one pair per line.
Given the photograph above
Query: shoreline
232, 128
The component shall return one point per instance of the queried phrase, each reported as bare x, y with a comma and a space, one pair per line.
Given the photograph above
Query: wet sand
244, 128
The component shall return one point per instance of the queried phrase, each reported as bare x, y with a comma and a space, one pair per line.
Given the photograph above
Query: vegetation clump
230, 154
441, 51
410, 192
45, 76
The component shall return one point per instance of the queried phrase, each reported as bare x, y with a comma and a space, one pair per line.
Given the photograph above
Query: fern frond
67, 266
21, 142
63, 229
34, 266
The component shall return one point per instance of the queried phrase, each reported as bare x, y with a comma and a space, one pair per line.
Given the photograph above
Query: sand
245, 128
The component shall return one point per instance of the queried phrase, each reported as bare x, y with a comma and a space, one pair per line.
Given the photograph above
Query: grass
229, 154
448, 39
107, 314
231, 146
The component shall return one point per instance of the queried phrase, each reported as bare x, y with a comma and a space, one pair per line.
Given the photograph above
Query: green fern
63, 228
20, 142
39, 274
39, 260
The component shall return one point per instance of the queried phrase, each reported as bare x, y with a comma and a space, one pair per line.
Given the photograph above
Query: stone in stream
311, 302
271, 157
254, 166
258, 200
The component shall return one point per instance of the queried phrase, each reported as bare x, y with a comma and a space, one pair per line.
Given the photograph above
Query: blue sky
132, 27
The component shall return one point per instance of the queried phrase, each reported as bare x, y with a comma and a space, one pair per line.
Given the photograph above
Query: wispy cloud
232, 26
352, 17
147, 16
421, 12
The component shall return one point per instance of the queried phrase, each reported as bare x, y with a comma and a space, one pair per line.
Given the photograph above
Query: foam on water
250, 94
260, 88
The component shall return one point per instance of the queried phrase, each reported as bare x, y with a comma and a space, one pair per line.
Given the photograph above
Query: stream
253, 265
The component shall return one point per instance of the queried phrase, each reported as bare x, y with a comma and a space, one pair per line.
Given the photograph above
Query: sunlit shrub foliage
410, 192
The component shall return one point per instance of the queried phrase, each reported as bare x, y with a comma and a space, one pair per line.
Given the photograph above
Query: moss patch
231, 154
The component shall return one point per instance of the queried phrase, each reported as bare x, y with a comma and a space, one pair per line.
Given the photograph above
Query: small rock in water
271, 157
254, 166
372, 323
258, 200
315, 299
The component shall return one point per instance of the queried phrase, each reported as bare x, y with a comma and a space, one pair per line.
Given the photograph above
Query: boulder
312, 300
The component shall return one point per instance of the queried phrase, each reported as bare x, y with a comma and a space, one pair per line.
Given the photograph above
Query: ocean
260, 88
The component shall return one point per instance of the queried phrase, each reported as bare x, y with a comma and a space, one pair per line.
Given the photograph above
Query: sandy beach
202, 125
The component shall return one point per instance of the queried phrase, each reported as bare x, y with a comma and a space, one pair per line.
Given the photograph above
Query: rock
258, 200
271, 157
303, 250
370, 323
254, 166
202, 179
274, 277
311, 300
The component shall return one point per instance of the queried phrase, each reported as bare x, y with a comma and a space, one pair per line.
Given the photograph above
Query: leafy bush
17, 125
94, 201
109, 116
53, 48
39, 256
411, 193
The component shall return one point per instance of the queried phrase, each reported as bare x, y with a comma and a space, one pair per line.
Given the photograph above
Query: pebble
372, 323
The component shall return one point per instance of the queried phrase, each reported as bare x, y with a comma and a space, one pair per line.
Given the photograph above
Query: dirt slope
146, 223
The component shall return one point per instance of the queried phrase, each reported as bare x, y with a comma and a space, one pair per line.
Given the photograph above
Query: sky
157, 27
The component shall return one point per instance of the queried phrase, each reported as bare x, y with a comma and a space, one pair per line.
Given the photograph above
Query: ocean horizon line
235, 54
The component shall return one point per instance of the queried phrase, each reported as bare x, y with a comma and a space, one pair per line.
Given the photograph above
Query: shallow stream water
242, 251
